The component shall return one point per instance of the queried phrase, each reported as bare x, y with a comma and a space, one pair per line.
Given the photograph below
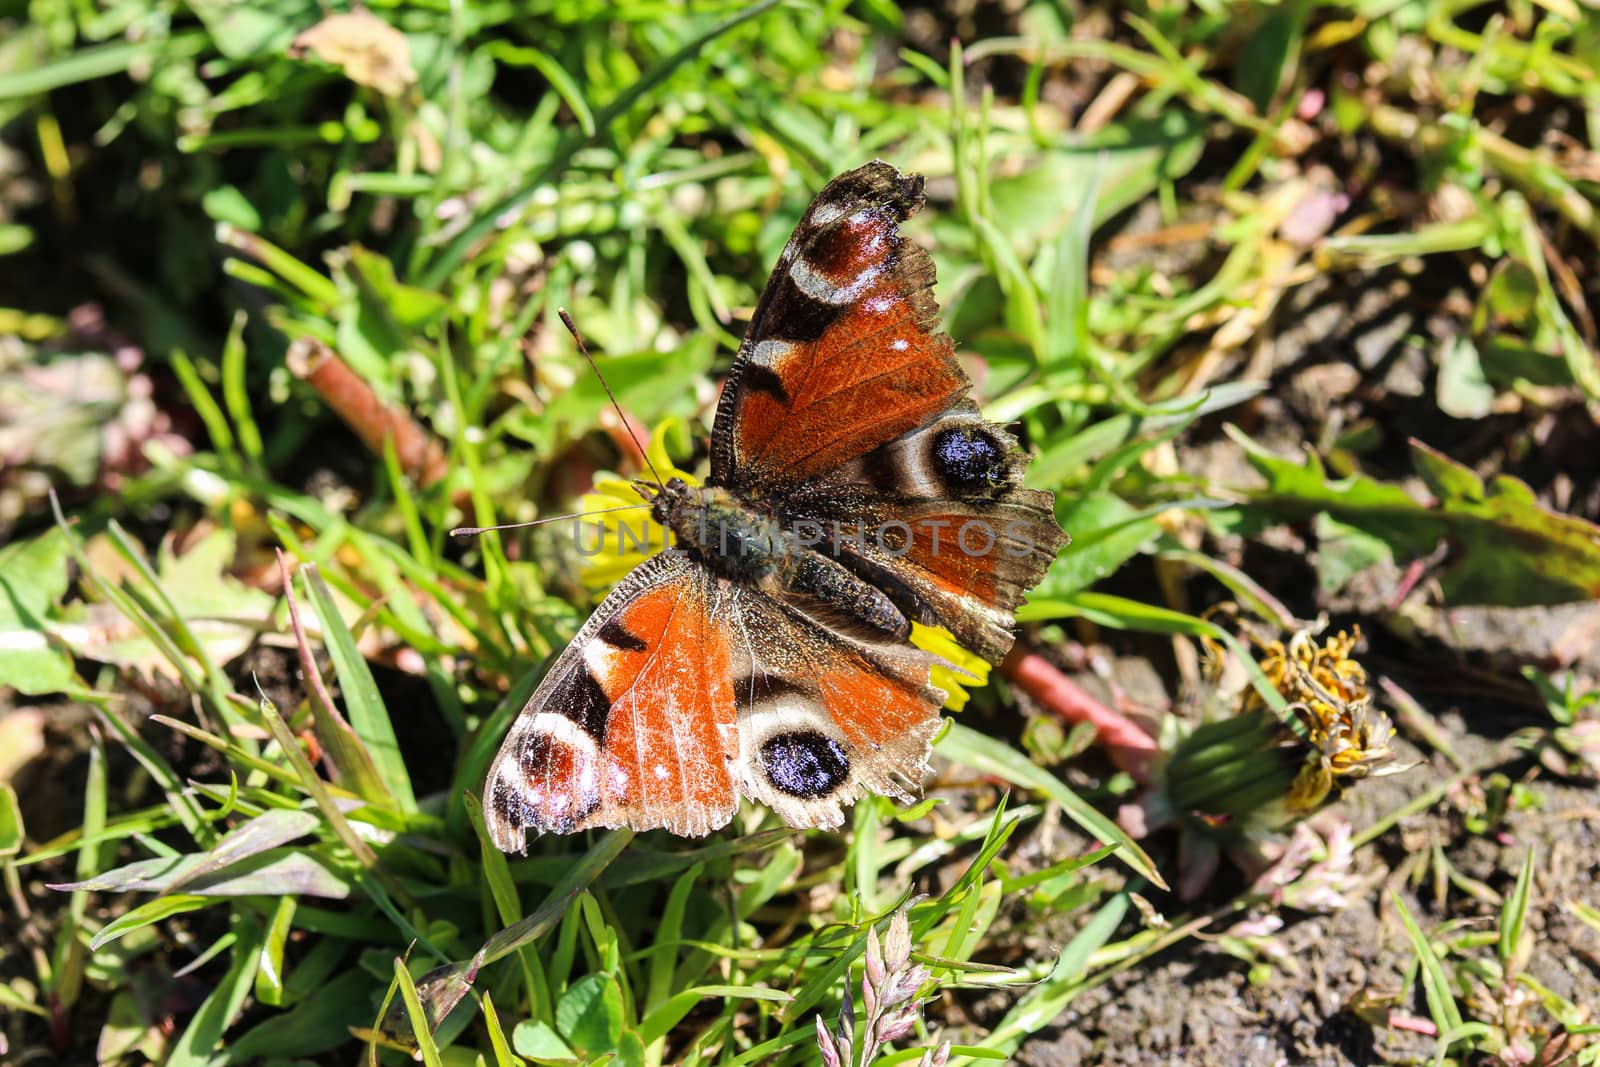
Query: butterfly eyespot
510, 805
562, 754
804, 764
968, 459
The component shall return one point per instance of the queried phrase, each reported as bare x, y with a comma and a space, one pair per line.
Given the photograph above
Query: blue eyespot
804, 764
968, 459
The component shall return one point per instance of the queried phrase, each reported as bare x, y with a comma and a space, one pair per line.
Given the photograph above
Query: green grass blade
196, 1045
363, 703
1040, 1006
147, 914
1514, 915
966, 746
99, 61
11, 830
270, 971
421, 1030
489, 218
1442, 1007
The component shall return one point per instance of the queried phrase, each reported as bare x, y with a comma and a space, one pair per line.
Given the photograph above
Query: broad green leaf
380, 318
1506, 547
1463, 389
589, 1014
630, 1051
246, 31
538, 1041
1344, 551
33, 579
1132, 157
1510, 548
409, 307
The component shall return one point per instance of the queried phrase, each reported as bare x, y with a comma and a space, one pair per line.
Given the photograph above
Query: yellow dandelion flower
1250, 767
965, 671
1328, 690
614, 544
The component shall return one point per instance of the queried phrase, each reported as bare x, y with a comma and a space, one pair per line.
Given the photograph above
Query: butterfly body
741, 542
855, 489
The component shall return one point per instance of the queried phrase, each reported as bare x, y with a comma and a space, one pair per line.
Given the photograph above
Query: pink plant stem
1416, 1025
353, 399
1129, 747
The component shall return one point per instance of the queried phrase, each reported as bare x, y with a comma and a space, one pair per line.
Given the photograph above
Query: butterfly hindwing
684, 690
939, 519
635, 723
823, 718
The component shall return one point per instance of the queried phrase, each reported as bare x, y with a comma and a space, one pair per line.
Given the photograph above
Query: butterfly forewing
635, 723
843, 352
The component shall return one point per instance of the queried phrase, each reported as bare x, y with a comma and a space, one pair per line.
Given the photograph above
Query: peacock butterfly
854, 489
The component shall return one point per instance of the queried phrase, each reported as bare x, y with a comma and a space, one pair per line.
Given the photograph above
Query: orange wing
635, 723
939, 520
824, 718
842, 354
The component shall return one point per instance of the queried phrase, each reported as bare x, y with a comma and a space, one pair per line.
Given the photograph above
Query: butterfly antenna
474, 531
572, 328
